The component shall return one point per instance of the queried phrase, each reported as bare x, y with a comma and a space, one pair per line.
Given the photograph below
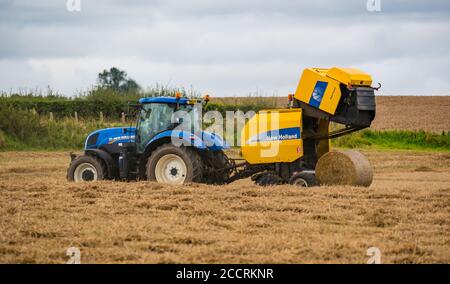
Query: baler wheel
267, 179
303, 180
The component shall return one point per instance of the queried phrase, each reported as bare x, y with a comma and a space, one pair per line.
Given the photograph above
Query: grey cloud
245, 39
230, 47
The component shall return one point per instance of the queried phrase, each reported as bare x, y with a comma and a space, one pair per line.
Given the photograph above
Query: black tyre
220, 167
174, 165
267, 179
303, 180
86, 168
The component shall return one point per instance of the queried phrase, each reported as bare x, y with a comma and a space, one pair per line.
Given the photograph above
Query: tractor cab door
153, 119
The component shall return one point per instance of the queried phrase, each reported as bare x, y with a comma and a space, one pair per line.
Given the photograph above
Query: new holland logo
276, 135
317, 94
119, 138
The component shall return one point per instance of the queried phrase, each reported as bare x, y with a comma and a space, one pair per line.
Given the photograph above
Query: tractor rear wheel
86, 168
220, 167
174, 165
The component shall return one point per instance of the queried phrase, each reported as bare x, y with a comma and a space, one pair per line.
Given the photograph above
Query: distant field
393, 112
413, 113
405, 213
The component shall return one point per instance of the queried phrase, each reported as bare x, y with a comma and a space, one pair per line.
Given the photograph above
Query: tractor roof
164, 100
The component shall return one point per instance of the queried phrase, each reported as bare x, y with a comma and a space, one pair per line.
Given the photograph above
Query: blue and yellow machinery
277, 146
289, 142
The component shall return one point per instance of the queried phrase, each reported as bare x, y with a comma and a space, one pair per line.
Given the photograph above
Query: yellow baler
286, 144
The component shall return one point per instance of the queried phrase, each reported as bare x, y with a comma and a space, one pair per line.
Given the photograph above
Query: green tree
117, 80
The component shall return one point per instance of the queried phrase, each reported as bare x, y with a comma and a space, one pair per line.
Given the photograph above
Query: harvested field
405, 213
393, 112
413, 113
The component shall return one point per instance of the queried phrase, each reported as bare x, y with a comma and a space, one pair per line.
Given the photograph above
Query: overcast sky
224, 48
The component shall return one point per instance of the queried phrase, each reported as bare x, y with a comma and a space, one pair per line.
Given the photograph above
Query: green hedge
66, 108
23, 130
88, 108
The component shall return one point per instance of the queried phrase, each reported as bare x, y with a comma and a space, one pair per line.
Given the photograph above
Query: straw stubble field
405, 213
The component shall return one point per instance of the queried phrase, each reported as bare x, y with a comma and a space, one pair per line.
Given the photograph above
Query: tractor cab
157, 115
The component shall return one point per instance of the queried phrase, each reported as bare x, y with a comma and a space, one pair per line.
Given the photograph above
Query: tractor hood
110, 136
116, 135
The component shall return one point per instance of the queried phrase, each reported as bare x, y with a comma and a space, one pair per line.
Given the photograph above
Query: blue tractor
155, 149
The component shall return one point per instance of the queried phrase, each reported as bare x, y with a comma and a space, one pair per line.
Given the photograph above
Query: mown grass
405, 213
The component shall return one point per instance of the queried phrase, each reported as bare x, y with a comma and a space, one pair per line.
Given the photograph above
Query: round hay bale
347, 167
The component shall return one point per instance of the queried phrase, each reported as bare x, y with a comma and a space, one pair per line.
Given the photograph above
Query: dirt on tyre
86, 168
174, 165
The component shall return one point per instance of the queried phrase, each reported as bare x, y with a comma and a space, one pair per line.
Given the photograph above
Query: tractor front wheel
86, 168
174, 165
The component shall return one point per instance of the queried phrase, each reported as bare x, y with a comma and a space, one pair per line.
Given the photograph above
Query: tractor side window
154, 118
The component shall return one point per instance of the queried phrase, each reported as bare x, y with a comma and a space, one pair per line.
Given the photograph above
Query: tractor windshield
155, 118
